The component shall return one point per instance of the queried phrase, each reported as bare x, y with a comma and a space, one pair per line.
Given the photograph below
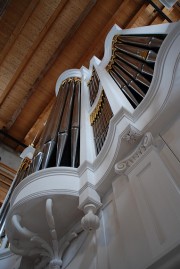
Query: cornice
58, 173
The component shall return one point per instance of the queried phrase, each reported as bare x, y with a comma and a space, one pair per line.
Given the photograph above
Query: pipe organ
92, 126
132, 64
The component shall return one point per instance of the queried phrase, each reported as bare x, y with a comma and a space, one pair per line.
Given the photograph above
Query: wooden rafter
21, 33
66, 34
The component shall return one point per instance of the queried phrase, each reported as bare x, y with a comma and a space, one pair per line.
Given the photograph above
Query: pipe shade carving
47, 253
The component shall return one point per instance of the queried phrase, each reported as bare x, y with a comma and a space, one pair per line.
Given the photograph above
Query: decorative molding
108, 45
16, 222
55, 172
89, 196
137, 154
132, 135
85, 73
66, 75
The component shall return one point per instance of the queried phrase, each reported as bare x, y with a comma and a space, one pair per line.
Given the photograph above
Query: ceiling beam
159, 10
38, 38
136, 16
36, 130
85, 9
6, 135
97, 50
18, 29
3, 5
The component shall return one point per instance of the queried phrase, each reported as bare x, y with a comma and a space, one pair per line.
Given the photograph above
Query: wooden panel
6, 177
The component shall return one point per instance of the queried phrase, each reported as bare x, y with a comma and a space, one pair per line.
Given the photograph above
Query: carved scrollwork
132, 135
123, 165
51, 254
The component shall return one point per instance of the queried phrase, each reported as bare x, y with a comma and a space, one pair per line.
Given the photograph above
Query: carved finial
90, 221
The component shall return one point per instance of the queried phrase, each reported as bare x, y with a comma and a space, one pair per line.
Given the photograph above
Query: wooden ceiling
40, 39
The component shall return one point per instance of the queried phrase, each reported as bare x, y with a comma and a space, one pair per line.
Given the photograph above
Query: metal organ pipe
59, 142
100, 119
63, 131
93, 86
132, 64
75, 124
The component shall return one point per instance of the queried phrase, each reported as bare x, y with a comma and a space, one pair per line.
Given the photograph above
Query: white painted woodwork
133, 183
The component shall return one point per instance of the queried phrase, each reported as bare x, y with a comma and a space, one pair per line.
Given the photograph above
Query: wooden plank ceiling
39, 39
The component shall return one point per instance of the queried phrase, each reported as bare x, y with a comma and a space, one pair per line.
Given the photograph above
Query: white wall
9, 157
9, 260
171, 137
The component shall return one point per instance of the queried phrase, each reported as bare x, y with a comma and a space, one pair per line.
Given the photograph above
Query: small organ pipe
135, 63
145, 41
141, 53
47, 151
100, 119
132, 72
132, 62
93, 86
128, 80
123, 87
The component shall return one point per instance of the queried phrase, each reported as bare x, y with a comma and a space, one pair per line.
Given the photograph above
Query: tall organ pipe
51, 135
65, 123
48, 138
75, 124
